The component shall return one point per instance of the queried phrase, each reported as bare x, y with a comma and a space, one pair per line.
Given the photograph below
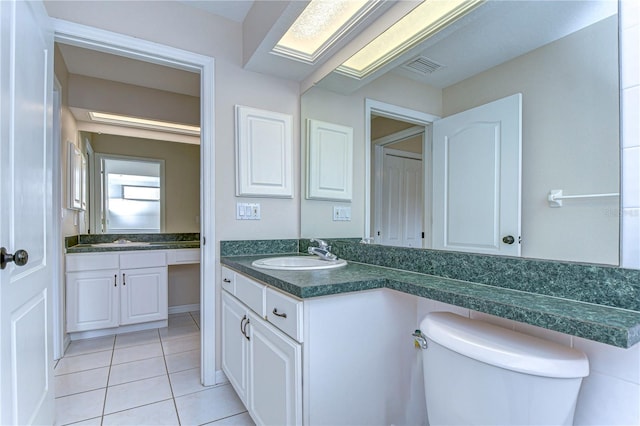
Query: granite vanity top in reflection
610, 325
166, 241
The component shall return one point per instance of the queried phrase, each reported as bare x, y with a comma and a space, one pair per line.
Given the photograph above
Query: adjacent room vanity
112, 288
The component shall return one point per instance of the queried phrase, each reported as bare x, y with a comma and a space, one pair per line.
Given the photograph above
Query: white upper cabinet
329, 161
263, 153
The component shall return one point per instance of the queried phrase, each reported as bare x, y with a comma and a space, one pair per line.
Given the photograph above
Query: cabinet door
234, 344
143, 295
92, 300
275, 375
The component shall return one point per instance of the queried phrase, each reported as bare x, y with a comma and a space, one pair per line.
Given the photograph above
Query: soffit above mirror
494, 33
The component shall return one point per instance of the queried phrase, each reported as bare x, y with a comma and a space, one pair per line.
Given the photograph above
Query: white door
26, 80
143, 295
402, 196
476, 179
92, 300
235, 344
275, 375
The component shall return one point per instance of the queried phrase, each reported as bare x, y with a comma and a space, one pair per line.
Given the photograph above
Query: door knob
20, 257
508, 239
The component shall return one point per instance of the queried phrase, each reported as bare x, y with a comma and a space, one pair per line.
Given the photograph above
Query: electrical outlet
341, 214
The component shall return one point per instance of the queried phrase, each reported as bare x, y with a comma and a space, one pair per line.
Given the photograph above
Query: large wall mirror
561, 56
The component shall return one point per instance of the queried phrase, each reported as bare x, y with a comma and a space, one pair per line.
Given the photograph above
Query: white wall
320, 104
569, 140
69, 133
610, 395
630, 93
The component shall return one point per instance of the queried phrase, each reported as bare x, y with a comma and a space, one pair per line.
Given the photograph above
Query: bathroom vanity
284, 355
351, 356
113, 288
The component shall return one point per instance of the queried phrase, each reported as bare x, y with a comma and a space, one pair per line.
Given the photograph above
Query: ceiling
463, 49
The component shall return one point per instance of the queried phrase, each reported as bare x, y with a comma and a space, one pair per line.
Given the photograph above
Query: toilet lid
503, 347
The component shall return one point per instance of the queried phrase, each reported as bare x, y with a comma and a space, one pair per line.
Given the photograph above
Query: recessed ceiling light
320, 25
415, 27
144, 123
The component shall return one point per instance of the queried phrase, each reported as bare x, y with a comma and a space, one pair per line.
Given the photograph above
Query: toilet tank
480, 374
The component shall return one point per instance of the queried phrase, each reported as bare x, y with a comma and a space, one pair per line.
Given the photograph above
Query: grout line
166, 368
106, 390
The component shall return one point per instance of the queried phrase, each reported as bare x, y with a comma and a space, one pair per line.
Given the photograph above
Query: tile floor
148, 378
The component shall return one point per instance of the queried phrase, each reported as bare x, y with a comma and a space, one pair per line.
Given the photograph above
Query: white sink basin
297, 263
121, 244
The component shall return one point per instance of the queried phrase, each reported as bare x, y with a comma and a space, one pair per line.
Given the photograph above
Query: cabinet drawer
91, 261
229, 280
251, 293
183, 256
285, 313
148, 259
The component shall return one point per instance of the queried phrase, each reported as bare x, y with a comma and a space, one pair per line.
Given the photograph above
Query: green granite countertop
610, 325
162, 245
164, 241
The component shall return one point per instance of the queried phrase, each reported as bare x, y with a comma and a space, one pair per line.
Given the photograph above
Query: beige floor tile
179, 320
137, 370
73, 364
209, 405
160, 413
80, 347
137, 338
82, 406
243, 419
171, 333
136, 394
186, 382
182, 344
136, 353
82, 381
183, 361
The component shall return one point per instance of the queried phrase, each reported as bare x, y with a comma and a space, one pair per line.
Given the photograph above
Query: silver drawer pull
278, 314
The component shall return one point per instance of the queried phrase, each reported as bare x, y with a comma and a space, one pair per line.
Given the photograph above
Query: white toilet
476, 373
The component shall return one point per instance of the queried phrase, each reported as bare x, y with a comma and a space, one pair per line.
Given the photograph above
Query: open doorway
398, 188
398, 170
97, 40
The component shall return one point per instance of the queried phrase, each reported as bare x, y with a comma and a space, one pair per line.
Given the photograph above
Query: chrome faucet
322, 251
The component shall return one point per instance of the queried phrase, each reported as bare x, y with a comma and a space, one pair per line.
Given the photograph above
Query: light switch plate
248, 211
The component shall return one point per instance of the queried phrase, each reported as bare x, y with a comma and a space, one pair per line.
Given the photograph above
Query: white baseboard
184, 308
117, 330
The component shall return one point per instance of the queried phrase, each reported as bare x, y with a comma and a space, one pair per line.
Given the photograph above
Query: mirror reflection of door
398, 194
131, 194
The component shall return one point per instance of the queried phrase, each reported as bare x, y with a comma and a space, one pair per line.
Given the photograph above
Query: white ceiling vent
422, 65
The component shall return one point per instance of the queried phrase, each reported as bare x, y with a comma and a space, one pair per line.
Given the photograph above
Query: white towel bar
555, 197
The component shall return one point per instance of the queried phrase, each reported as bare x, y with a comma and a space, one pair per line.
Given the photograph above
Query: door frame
109, 42
380, 150
383, 109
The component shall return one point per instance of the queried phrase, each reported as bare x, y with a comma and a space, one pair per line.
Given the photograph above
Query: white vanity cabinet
339, 359
263, 364
106, 290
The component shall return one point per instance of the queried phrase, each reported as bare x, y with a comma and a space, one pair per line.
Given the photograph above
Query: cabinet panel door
143, 295
234, 344
275, 375
92, 300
